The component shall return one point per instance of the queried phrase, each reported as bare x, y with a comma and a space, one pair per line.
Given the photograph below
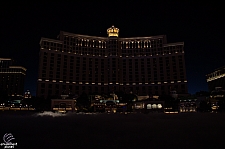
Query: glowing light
154, 106
159, 106
149, 106
215, 77
18, 67
14, 72
113, 31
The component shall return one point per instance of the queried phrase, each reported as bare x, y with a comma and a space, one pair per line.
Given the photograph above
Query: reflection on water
49, 113
58, 114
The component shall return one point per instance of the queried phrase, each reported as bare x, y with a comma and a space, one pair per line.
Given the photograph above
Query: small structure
63, 105
217, 99
110, 106
149, 105
27, 94
188, 105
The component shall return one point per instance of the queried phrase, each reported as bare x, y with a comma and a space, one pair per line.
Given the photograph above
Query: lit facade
27, 94
81, 63
149, 105
11, 77
216, 79
188, 105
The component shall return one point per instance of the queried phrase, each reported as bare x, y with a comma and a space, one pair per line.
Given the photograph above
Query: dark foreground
97, 131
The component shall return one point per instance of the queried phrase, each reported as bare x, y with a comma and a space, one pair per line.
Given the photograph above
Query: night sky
199, 25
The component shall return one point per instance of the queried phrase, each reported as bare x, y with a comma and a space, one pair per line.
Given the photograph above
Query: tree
204, 106
129, 99
83, 102
3, 95
221, 104
39, 103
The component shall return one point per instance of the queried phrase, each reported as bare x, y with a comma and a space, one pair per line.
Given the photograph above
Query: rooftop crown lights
113, 31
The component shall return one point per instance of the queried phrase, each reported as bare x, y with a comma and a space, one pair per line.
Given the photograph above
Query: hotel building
11, 77
81, 63
216, 79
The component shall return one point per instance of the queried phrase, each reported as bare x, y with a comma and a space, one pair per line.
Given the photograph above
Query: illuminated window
149, 106
154, 106
159, 106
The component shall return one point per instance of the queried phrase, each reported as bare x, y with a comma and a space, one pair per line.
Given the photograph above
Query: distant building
217, 99
216, 79
27, 94
63, 105
11, 77
81, 63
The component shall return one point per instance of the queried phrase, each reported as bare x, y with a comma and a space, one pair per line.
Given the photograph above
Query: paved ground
138, 131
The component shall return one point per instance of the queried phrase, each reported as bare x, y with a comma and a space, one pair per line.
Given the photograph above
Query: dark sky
199, 25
